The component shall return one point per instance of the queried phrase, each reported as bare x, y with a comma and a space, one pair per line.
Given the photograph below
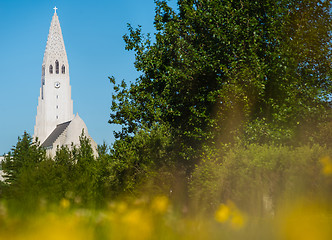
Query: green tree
64, 167
220, 69
103, 174
23, 157
140, 162
85, 172
21, 166
33, 178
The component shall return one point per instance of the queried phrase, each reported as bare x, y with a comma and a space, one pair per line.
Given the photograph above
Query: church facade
56, 125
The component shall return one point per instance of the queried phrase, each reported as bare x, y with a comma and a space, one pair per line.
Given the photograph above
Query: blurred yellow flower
121, 207
160, 204
327, 165
238, 220
137, 225
230, 213
223, 213
64, 203
306, 222
54, 227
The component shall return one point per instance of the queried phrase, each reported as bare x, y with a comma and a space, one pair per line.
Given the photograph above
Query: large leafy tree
220, 69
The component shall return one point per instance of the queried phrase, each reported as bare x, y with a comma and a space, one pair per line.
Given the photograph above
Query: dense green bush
260, 178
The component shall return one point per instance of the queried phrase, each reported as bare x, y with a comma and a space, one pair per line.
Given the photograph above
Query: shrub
260, 178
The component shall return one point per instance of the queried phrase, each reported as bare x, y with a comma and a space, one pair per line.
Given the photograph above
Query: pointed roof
55, 134
74, 130
55, 47
68, 134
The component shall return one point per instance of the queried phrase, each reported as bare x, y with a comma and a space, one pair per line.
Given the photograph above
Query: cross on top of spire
55, 8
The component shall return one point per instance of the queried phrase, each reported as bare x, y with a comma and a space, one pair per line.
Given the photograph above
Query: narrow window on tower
56, 67
51, 69
63, 69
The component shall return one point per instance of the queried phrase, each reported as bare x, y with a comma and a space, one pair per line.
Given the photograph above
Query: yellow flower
137, 225
160, 204
64, 203
238, 220
231, 214
306, 222
121, 207
55, 226
223, 213
327, 165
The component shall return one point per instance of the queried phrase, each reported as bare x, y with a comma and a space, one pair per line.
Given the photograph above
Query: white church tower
54, 104
56, 124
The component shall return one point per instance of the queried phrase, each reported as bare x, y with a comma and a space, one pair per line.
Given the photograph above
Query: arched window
51, 69
63, 69
56, 67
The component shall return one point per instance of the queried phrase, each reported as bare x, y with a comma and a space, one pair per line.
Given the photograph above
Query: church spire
55, 47
55, 105
56, 125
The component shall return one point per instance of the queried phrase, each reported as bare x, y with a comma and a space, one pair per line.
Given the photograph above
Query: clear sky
92, 32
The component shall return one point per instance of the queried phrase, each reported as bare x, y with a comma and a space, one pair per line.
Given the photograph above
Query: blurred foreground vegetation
227, 134
252, 192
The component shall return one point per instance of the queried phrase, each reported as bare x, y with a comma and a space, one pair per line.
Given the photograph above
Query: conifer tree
23, 157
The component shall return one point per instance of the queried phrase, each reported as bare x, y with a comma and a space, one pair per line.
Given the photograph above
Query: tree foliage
75, 174
219, 69
24, 157
141, 161
261, 178
221, 73
31, 176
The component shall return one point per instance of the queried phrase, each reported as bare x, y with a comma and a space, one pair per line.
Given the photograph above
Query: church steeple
54, 103
56, 125
55, 48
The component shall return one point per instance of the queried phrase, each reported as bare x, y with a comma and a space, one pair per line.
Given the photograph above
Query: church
56, 124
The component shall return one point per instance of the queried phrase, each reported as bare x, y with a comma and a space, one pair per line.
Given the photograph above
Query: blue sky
92, 32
